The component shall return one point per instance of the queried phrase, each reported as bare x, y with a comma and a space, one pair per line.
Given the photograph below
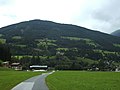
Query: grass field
78, 80
5, 69
10, 78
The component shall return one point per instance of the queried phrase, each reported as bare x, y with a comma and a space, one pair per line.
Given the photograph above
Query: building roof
38, 66
15, 64
6, 62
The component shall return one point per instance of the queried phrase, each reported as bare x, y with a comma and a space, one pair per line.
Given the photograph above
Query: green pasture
45, 40
10, 78
103, 51
77, 38
3, 41
62, 49
17, 37
45, 44
29, 56
1, 35
71, 38
86, 60
22, 46
81, 80
117, 45
87, 41
5, 69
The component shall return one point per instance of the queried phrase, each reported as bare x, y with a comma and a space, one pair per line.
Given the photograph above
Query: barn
38, 67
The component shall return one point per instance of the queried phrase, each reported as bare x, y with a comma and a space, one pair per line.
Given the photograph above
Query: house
38, 68
117, 69
16, 66
6, 64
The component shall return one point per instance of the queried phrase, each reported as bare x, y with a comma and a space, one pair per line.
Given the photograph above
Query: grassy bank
76, 80
5, 69
10, 78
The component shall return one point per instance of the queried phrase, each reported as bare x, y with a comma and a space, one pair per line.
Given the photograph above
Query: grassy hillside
77, 80
5, 69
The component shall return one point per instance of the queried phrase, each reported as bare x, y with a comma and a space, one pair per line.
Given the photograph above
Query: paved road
34, 83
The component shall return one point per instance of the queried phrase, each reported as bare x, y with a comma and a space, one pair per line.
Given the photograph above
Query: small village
18, 66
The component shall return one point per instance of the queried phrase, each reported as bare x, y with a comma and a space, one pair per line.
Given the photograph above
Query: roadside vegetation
5, 69
81, 80
10, 78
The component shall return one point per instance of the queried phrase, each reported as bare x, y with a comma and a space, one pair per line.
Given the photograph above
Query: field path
34, 83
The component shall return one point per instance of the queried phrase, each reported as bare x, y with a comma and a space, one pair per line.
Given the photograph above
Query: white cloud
57, 10
54, 10
102, 15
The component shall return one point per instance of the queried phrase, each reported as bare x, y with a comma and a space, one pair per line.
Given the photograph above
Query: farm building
6, 64
38, 68
16, 66
117, 69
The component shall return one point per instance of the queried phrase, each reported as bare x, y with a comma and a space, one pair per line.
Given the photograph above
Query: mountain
31, 37
116, 33
62, 46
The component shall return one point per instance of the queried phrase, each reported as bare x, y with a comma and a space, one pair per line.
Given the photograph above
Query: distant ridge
116, 33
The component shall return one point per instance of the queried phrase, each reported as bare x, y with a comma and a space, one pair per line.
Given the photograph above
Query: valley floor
8, 79
81, 80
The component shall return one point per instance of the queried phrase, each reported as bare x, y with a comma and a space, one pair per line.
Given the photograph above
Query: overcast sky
102, 15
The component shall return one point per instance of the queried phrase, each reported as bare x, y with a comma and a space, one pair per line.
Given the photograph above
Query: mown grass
76, 80
8, 79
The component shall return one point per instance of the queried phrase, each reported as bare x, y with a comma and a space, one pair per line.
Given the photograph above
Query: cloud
5, 2
109, 14
102, 15
55, 10
107, 17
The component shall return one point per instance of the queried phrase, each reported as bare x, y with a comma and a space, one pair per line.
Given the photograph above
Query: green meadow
10, 78
81, 80
2, 41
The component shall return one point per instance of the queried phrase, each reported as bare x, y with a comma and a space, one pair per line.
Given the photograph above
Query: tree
0, 62
5, 54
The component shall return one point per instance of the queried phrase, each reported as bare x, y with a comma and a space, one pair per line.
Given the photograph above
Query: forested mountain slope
28, 34
46, 38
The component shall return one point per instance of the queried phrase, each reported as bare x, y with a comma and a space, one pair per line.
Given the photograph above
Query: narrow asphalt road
34, 83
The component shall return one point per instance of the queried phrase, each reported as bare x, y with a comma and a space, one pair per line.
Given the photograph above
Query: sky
101, 15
